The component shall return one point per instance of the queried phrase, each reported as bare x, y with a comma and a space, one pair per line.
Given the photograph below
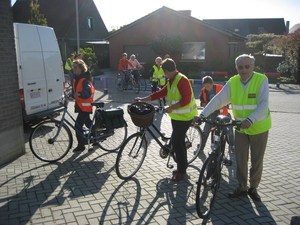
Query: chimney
186, 12
287, 26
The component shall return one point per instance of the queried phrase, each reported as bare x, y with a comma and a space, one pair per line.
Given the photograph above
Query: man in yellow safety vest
248, 93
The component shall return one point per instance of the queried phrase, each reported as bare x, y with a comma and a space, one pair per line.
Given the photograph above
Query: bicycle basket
141, 113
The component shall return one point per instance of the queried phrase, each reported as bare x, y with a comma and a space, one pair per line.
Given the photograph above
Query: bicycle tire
143, 84
193, 140
127, 164
118, 83
207, 186
42, 145
115, 141
135, 86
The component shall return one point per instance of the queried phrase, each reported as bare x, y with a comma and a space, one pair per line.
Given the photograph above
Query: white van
40, 71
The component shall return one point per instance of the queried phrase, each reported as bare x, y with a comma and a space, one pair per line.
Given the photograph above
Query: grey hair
244, 56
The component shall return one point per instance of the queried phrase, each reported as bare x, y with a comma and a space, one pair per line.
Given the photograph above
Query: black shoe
79, 149
237, 193
252, 192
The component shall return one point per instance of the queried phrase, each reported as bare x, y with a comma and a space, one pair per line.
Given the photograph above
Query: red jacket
217, 88
123, 63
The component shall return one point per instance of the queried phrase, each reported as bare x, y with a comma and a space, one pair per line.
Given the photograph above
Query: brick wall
11, 124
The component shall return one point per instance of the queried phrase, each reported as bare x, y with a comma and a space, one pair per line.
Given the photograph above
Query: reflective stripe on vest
84, 104
186, 112
245, 102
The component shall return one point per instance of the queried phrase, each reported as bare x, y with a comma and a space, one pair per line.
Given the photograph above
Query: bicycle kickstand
170, 166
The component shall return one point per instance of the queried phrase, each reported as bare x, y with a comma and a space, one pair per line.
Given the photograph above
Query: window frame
90, 22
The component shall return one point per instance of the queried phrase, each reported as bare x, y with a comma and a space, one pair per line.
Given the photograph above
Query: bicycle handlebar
222, 121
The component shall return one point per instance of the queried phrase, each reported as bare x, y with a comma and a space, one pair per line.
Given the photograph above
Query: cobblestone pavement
83, 188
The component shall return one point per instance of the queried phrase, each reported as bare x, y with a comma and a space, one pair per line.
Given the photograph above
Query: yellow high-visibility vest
245, 103
184, 113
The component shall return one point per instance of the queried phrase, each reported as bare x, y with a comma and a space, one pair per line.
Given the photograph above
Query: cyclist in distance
83, 93
123, 62
135, 64
181, 108
248, 93
158, 76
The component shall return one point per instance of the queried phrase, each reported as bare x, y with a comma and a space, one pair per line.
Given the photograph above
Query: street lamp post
77, 26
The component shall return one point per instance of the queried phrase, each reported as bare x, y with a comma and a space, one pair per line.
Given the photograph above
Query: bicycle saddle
223, 119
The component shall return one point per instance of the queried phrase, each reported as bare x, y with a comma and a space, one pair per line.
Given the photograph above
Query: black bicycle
52, 139
133, 152
210, 175
130, 82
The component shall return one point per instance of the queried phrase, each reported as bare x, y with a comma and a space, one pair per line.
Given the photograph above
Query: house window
193, 51
261, 30
90, 23
234, 49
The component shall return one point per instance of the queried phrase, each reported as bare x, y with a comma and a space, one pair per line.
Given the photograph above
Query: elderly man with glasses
248, 93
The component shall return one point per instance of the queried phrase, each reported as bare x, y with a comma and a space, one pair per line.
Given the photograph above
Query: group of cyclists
247, 87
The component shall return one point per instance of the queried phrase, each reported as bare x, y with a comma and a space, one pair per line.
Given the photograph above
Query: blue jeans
207, 127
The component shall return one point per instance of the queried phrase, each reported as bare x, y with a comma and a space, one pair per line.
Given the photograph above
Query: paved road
83, 188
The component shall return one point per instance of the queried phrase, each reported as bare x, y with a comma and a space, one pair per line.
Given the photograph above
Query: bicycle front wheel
131, 156
142, 82
193, 140
118, 83
114, 142
207, 186
49, 143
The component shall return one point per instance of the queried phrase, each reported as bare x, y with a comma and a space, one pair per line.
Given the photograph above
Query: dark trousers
178, 143
83, 118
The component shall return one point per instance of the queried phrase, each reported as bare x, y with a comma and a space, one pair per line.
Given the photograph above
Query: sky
117, 13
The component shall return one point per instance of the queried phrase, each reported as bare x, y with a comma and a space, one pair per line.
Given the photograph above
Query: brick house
61, 15
212, 45
11, 128
245, 27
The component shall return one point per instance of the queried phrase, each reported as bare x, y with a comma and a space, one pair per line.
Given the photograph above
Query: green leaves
167, 44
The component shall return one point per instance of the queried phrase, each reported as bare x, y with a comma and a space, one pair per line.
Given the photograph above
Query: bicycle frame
65, 120
165, 139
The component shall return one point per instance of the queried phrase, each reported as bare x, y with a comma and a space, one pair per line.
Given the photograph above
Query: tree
35, 16
261, 42
289, 46
164, 44
90, 58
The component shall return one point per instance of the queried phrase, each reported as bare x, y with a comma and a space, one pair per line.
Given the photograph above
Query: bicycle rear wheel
118, 83
193, 140
131, 156
114, 142
45, 147
207, 186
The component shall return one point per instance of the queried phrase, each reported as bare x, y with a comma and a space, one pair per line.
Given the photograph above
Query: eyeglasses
246, 67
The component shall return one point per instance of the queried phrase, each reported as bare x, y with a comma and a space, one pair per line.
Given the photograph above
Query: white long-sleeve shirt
224, 98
